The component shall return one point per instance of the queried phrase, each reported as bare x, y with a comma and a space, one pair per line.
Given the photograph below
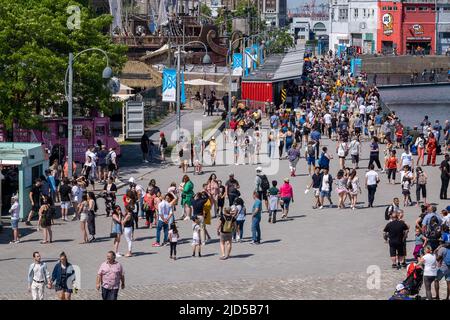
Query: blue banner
169, 92
237, 60
247, 60
256, 55
182, 94
355, 66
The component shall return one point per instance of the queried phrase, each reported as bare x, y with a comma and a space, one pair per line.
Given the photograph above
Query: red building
406, 27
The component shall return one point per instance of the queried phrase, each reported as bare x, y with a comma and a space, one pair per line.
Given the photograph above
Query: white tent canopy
201, 82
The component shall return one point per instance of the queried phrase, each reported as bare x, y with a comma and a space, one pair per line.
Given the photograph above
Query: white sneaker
321, 207
238, 238
118, 255
187, 218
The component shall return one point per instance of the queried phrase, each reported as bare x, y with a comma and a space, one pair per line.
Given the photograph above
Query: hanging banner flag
247, 60
255, 56
237, 64
182, 94
169, 93
261, 55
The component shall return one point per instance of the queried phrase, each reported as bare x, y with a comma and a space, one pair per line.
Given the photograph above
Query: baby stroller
414, 279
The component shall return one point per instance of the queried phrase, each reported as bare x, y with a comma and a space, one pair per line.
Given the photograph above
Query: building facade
407, 27
362, 25
443, 26
338, 21
274, 12
309, 28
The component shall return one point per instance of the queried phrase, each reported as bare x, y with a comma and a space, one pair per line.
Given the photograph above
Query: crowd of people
331, 103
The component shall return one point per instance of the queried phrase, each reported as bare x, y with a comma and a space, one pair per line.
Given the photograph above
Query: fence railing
406, 79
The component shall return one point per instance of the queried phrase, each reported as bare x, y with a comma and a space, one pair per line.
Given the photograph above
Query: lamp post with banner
68, 86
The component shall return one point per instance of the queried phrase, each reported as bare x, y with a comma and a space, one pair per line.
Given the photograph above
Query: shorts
316, 192
324, 194
63, 289
311, 161
225, 236
443, 272
83, 217
286, 202
355, 158
103, 166
396, 249
117, 228
111, 167
195, 242
15, 223
262, 195
340, 190
35, 208
406, 192
65, 204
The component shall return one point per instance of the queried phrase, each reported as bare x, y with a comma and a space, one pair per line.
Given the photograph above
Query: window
373, 12
395, 8
384, 8
343, 14
423, 8
100, 131
390, 8
410, 8
302, 37
36, 172
364, 13
446, 8
62, 131
356, 13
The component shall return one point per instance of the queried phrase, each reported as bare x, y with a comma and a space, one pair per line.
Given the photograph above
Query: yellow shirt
207, 212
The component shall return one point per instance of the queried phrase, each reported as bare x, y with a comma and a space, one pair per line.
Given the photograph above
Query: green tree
35, 42
205, 10
280, 40
247, 9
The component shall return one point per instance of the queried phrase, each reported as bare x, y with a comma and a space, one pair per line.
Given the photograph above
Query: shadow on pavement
271, 241
136, 254
245, 255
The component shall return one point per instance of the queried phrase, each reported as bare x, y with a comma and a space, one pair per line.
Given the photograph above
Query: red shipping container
257, 91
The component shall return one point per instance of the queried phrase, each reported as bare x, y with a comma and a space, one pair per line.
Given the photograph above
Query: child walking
274, 198
420, 243
173, 239
196, 237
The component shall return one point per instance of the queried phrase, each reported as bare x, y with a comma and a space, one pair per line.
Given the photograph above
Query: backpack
311, 150
447, 257
434, 229
227, 225
422, 180
387, 212
324, 162
265, 185
164, 143
108, 159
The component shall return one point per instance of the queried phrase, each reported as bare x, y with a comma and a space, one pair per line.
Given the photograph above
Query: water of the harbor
411, 104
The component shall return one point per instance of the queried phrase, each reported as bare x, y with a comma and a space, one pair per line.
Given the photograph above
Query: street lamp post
230, 49
107, 73
206, 60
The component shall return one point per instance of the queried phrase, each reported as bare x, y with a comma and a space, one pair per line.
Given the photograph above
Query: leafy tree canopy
35, 42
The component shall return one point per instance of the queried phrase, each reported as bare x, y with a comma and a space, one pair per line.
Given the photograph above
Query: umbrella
201, 82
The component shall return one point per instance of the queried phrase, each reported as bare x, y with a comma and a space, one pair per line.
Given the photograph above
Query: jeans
375, 158
91, 223
273, 216
444, 187
423, 188
240, 225
428, 281
256, 229
173, 249
160, 226
371, 190
141, 207
109, 294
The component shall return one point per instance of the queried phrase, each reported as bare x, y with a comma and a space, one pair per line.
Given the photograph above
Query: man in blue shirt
256, 219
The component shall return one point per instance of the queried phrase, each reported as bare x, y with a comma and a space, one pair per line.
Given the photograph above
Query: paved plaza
315, 254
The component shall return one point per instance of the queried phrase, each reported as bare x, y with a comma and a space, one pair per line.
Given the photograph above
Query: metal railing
405, 79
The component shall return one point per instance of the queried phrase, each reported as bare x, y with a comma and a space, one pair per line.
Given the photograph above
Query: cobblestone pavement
345, 286
315, 254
